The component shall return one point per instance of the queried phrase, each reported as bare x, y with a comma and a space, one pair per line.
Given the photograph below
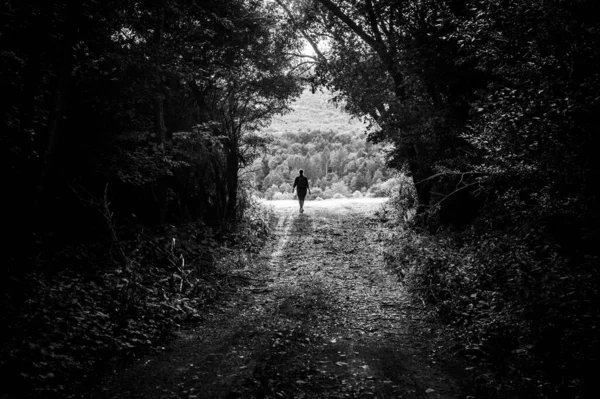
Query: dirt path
320, 317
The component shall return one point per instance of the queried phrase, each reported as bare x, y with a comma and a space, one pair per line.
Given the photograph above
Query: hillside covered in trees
329, 146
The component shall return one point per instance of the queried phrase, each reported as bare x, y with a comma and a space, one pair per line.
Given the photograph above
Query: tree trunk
220, 191
54, 126
423, 191
398, 78
32, 78
203, 108
419, 174
159, 119
160, 130
232, 180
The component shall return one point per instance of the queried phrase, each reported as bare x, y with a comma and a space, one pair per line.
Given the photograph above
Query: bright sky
308, 50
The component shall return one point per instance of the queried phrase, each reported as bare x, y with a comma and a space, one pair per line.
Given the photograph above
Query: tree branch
302, 31
302, 56
386, 55
331, 6
373, 22
300, 64
452, 193
449, 173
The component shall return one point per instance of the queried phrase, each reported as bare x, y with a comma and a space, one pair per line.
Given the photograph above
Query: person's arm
295, 184
307, 186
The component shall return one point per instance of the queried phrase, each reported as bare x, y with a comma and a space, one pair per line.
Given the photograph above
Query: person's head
301, 172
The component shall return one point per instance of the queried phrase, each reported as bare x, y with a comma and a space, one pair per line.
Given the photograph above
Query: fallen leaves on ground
321, 317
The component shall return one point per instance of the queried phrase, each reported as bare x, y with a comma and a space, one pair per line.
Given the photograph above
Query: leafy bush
517, 305
282, 196
337, 188
403, 200
357, 194
75, 322
315, 193
386, 188
326, 195
252, 227
338, 196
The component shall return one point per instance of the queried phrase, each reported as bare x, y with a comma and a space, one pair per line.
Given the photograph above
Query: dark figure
301, 182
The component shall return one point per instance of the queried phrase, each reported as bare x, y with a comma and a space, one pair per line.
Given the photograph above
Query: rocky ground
316, 315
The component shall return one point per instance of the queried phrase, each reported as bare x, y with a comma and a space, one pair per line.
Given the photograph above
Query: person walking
301, 183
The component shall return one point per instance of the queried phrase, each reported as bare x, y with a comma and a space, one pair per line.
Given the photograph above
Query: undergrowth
105, 304
523, 311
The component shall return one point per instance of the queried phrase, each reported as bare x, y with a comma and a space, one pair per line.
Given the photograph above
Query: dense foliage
148, 96
74, 327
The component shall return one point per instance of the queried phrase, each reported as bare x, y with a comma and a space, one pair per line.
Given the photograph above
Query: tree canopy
96, 79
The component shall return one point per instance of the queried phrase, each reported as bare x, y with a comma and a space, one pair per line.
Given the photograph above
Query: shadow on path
321, 319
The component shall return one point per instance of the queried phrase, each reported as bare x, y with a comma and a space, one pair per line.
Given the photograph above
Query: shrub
338, 196
357, 194
315, 193
126, 301
388, 187
517, 306
338, 188
319, 199
403, 200
282, 196
73, 324
326, 194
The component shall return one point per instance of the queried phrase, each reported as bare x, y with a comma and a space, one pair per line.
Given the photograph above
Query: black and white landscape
155, 246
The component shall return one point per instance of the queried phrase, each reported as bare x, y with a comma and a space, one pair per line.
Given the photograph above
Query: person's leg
301, 195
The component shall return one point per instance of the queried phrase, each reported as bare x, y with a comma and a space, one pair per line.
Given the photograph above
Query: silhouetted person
301, 182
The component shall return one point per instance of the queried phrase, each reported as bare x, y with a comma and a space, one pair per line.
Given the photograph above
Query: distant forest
330, 147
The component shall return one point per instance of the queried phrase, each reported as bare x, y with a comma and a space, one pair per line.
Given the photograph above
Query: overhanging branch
310, 41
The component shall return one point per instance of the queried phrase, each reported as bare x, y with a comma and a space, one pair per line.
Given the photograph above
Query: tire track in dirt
282, 230
320, 318
370, 347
